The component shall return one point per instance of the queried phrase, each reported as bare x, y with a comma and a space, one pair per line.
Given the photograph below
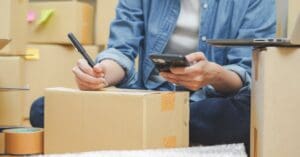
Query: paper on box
55, 19
11, 102
51, 67
13, 25
275, 103
77, 121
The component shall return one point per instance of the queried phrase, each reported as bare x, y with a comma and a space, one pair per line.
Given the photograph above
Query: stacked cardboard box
12, 43
105, 13
51, 67
13, 25
49, 23
77, 121
11, 102
52, 21
275, 103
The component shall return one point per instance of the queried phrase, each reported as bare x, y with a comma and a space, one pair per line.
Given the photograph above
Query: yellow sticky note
32, 54
45, 16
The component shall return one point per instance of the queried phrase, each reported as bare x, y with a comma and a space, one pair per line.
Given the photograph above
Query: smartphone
164, 62
80, 49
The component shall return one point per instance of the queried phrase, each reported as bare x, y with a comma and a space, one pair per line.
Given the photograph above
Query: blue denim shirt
143, 27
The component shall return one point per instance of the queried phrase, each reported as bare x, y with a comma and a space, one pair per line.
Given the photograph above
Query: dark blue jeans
212, 121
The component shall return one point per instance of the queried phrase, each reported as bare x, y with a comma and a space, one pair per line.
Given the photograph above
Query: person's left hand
197, 75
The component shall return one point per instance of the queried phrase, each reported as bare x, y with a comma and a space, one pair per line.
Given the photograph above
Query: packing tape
169, 142
2, 141
24, 141
167, 102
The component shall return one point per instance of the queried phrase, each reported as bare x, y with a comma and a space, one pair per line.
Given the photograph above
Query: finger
85, 67
99, 69
195, 57
179, 70
194, 86
88, 86
187, 78
85, 77
196, 69
101, 81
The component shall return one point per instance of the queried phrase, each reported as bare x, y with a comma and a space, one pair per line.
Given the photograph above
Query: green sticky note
45, 16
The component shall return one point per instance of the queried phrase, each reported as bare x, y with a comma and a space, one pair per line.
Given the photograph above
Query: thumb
195, 57
99, 69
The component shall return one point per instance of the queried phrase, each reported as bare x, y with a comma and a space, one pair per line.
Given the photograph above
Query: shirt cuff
243, 74
122, 60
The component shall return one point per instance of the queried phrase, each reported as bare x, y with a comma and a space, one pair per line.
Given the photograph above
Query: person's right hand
88, 78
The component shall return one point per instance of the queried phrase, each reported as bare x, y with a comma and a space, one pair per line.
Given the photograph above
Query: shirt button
205, 6
203, 38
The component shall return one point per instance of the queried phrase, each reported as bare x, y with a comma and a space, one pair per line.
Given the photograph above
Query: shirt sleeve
258, 22
126, 37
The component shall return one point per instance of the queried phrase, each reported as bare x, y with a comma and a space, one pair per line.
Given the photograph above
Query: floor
234, 150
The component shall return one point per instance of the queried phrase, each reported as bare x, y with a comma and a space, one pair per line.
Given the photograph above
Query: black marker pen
81, 50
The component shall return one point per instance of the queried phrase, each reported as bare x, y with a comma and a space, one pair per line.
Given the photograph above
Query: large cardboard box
55, 19
77, 121
293, 12
11, 102
13, 25
51, 68
275, 103
105, 13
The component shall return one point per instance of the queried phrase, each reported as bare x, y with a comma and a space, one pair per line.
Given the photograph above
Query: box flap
14, 88
113, 90
3, 42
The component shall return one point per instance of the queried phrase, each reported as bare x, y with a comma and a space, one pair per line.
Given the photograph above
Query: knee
37, 113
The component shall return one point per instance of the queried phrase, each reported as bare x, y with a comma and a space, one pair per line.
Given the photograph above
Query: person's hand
196, 76
88, 78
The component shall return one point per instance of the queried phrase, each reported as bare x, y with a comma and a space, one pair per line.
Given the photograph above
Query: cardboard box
2, 143
282, 18
105, 13
13, 25
275, 103
77, 121
293, 12
11, 102
55, 19
52, 68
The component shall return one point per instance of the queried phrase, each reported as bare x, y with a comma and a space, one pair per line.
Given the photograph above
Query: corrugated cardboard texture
13, 25
77, 121
11, 102
105, 13
68, 16
294, 11
52, 69
275, 103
